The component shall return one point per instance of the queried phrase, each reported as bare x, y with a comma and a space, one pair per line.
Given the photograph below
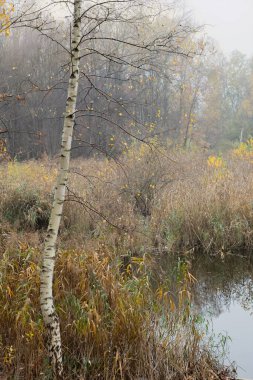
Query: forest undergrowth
119, 319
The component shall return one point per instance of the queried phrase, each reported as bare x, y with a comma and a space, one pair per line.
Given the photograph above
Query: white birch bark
50, 316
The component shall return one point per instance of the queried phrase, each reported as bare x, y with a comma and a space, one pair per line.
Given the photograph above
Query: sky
230, 22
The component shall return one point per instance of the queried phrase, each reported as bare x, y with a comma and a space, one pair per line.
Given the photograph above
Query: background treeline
193, 95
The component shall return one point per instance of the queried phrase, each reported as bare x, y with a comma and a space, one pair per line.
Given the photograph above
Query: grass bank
143, 202
116, 321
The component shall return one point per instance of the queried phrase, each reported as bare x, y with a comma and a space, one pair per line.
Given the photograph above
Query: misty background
198, 94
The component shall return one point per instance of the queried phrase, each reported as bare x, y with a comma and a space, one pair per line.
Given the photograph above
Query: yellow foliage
245, 150
9, 355
158, 113
15, 173
216, 162
6, 9
219, 166
139, 151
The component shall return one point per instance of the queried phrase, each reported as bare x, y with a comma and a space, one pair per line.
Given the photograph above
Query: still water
224, 296
237, 323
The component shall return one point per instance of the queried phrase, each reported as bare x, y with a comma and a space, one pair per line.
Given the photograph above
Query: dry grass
117, 217
143, 201
154, 202
210, 211
114, 324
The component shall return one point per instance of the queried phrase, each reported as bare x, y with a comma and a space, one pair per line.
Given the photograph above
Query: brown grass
118, 218
114, 324
154, 202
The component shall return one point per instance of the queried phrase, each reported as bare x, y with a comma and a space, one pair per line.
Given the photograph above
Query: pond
223, 295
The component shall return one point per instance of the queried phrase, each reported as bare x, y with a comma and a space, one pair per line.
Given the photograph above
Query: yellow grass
119, 217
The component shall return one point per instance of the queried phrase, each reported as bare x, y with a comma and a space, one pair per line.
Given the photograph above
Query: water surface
224, 296
237, 323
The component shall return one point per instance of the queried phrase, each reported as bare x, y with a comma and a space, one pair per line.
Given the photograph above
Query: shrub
26, 208
148, 171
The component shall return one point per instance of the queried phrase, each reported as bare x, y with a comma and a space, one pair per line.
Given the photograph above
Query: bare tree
50, 316
122, 36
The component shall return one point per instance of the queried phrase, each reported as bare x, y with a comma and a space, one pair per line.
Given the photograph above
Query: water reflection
238, 324
224, 293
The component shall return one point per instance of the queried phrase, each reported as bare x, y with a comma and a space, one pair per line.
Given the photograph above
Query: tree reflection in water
222, 282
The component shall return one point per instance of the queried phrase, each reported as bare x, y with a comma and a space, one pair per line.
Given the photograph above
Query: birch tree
93, 39
49, 313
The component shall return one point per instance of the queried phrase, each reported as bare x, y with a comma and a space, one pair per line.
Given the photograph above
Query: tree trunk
50, 316
241, 135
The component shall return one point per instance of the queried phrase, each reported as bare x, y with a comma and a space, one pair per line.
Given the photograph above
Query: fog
180, 88
228, 21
